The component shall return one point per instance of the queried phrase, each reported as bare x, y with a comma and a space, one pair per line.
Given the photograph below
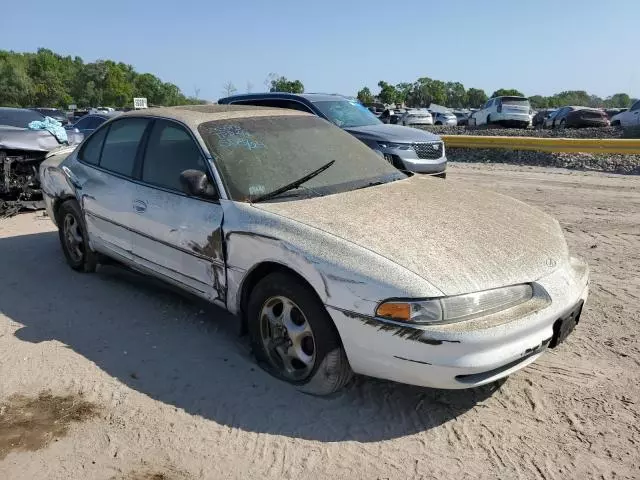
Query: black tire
330, 370
438, 123
80, 258
441, 175
616, 123
488, 120
563, 123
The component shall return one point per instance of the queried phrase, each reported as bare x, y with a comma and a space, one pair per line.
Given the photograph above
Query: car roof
194, 115
311, 97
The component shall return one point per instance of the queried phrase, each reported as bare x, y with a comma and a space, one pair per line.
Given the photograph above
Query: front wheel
74, 239
293, 336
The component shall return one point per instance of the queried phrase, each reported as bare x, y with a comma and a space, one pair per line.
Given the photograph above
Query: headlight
456, 308
403, 146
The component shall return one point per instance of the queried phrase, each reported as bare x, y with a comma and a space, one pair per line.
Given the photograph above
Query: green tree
365, 96
148, 86
619, 100
388, 93
538, 101
507, 92
16, 87
476, 97
282, 84
403, 89
456, 95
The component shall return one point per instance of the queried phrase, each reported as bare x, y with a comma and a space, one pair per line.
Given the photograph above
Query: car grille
429, 151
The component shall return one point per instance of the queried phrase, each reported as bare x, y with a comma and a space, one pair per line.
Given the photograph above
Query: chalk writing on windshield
234, 136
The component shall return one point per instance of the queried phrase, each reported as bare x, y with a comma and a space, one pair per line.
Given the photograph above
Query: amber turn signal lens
395, 311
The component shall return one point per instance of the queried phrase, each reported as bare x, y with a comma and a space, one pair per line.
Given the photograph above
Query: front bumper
466, 354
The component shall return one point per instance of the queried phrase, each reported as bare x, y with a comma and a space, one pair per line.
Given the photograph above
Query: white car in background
629, 118
445, 118
505, 111
416, 117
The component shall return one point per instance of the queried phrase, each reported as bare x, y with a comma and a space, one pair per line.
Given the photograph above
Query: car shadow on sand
184, 352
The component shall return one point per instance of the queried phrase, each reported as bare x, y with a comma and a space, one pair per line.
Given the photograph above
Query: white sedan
416, 117
629, 118
332, 260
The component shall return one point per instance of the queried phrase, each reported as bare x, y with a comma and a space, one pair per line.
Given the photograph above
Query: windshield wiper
292, 185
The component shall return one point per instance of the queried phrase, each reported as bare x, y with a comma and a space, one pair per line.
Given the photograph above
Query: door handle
139, 206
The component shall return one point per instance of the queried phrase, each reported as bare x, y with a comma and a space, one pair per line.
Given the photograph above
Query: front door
177, 236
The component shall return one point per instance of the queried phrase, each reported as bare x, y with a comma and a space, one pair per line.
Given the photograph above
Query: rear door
177, 236
106, 187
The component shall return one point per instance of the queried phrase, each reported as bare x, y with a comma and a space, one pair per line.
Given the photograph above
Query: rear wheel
293, 336
615, 123
488, 119
74, 239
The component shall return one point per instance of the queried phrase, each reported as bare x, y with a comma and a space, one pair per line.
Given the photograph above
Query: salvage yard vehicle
447, 119
628, 118
333, 260
416, 117
90, 122
407, 149
504, 111
579, 117
540, 116
21, 152
54, 113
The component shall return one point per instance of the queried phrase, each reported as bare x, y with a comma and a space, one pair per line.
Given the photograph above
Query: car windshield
347, 114
16, 117
258, 155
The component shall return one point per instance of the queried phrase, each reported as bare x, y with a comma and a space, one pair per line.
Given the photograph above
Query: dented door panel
178, 237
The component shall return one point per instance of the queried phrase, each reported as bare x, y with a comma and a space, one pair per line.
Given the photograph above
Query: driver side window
170, 151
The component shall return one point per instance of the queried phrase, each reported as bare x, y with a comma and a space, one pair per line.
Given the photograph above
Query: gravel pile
602, 132
611, 163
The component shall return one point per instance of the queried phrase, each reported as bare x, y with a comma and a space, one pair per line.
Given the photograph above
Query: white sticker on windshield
256, 190
234, 136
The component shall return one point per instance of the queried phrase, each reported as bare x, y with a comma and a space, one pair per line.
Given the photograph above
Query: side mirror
195, 183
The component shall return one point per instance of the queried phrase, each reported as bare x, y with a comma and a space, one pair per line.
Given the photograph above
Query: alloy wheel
287, 338
73, 238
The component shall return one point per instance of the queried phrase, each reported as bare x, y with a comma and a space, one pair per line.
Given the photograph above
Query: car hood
392, 133
458, 240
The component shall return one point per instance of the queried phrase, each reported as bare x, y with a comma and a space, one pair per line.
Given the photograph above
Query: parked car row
333, 261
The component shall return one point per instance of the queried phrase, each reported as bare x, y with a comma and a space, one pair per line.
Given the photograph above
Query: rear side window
90, 152
121, 145
170, 151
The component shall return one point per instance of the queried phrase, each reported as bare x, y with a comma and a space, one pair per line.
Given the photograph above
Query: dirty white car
333, 260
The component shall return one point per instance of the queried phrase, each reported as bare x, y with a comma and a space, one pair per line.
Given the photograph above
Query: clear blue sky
536, 46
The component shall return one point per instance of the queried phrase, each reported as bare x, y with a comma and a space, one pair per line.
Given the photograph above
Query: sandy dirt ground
112, 376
